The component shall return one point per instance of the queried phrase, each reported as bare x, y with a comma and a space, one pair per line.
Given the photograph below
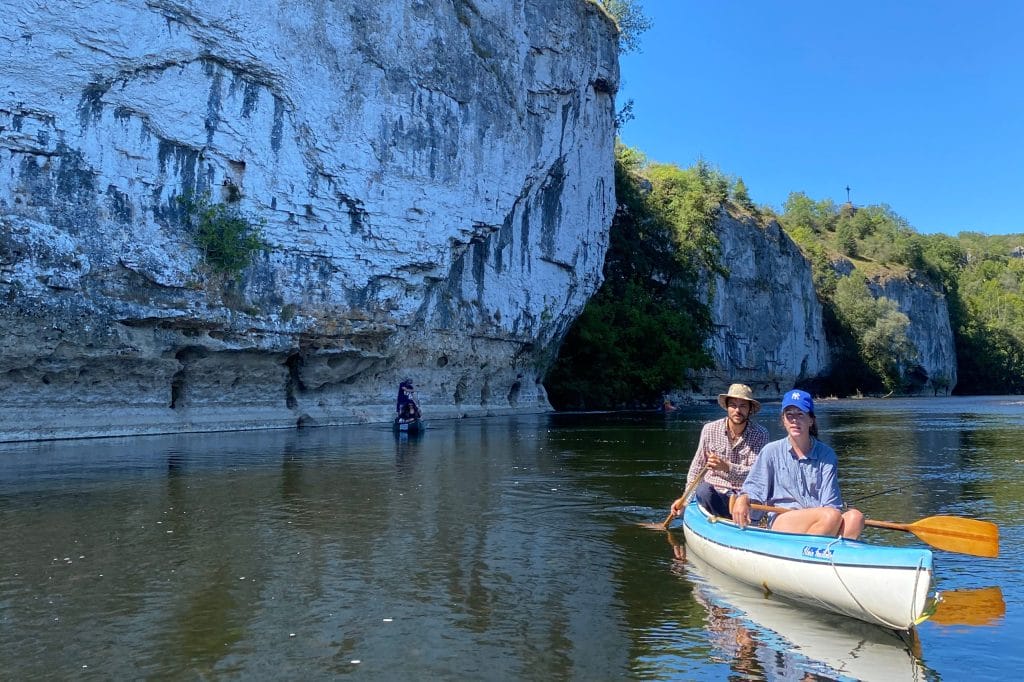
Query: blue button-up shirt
780, 478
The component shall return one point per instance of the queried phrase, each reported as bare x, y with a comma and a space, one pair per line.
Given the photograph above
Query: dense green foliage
868, 335
227, 237
878, 329
871, 233
990, 329
646, 325
741, 197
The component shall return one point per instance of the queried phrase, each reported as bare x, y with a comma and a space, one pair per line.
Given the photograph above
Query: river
508, 548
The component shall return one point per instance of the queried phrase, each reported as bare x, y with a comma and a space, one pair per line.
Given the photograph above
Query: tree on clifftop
630, 19
741, 196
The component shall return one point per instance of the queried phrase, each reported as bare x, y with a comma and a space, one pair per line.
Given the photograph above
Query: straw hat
743, 392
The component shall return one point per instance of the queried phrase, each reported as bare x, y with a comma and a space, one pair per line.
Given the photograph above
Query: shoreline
39, 424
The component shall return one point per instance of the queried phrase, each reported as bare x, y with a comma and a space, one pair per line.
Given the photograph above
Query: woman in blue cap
799, 472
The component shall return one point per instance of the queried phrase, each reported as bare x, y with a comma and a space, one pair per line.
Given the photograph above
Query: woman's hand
740, 506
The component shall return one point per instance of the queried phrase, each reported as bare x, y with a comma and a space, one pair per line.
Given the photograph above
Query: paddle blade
654, 525
981, 606
957, 534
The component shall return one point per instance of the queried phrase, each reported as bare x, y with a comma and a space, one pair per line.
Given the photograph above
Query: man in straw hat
725, 452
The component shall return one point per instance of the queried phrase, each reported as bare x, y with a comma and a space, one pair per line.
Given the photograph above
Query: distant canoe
414, 426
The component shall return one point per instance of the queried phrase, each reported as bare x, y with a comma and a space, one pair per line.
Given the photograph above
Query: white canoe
887, 586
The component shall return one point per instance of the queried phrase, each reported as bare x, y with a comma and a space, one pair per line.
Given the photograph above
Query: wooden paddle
686, 494
950, 533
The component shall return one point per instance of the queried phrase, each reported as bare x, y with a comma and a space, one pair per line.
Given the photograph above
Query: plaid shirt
714, 437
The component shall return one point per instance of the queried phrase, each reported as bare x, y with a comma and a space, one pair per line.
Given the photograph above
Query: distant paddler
406, 407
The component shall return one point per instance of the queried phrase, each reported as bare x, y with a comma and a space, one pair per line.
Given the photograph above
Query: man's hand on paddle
677, 506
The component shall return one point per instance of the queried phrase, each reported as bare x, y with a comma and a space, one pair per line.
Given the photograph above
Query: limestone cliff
768, 323
435, 179
768, 329
930, 330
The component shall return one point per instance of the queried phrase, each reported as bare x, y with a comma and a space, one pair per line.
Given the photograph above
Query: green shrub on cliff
867, 336
741, 197
646, 325
879, 330
227, 237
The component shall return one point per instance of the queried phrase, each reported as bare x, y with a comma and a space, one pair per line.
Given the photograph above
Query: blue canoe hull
887, 586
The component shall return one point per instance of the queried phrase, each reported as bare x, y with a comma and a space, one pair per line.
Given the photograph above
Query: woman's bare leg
814, 521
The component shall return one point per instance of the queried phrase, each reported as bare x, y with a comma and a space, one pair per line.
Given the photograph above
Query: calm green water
498, 549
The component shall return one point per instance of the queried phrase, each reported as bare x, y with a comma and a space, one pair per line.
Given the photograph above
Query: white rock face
768, 330
930, 330
434, 178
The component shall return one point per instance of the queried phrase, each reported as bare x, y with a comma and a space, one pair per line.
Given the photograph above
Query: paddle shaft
951, 533
686, 494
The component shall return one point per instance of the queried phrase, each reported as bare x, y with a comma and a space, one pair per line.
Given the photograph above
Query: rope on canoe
835, 569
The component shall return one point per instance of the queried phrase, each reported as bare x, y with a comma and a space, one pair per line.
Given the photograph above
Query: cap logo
795, 396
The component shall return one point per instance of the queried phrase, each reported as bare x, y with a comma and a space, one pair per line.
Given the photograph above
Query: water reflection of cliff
769, 639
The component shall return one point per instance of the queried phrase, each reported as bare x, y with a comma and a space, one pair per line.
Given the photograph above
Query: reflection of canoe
414, 426
849, 648
886, 586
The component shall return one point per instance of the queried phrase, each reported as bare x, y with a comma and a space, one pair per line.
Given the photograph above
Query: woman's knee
831, 517
853, 523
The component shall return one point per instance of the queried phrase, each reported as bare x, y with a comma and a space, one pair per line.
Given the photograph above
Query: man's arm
700, 457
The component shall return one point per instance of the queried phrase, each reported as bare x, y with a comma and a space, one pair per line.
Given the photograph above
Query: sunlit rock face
929, 331
434, 180
767, 321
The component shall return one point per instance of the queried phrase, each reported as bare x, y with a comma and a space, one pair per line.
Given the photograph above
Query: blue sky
914, 104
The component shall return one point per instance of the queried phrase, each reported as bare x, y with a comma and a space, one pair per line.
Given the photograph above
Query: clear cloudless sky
912, 103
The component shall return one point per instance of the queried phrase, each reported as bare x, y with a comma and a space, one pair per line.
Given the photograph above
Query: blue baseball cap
799, 399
